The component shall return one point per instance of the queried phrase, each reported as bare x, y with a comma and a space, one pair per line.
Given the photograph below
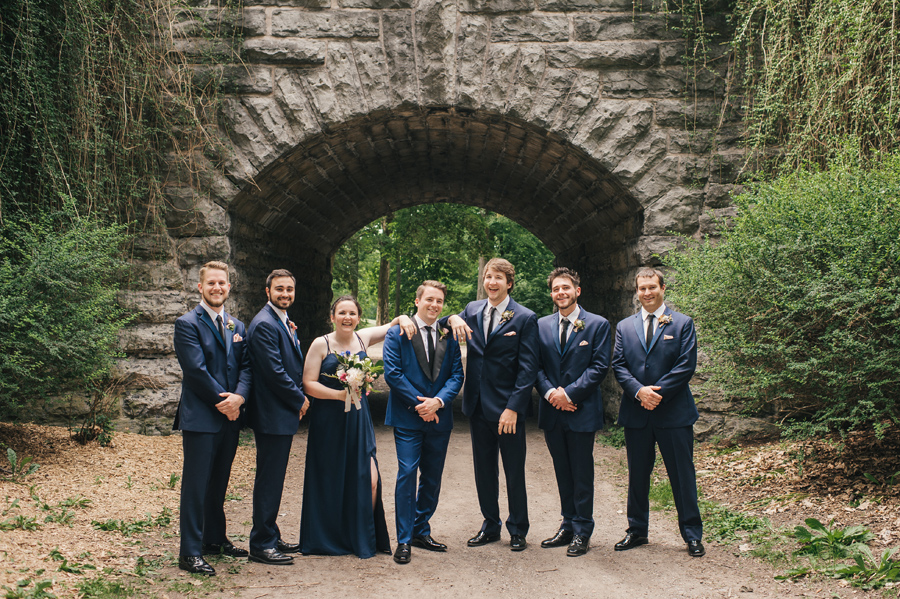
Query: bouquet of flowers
356, 375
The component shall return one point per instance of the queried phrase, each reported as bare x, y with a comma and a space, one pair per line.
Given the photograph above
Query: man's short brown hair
436, 284
279, 272
213, 265
562, 271
648, 273
504, 266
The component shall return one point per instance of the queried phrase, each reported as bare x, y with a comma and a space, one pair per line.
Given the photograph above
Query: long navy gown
337, 516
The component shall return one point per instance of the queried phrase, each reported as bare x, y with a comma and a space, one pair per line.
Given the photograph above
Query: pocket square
583, 343
237, 338
667, 337
509, 334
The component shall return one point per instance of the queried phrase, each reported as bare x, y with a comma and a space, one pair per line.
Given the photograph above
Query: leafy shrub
799, 303
58, 309
821, 541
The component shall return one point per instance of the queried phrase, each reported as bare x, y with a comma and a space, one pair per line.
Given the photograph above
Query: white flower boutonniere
665, 319
230, 325
578, 326
506, 316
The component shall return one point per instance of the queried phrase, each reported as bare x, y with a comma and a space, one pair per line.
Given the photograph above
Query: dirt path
659, 570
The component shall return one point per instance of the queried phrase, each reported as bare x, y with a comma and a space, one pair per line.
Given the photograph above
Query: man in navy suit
654, 359
574, 355
211, 350
274, 414
425, 374
501, 366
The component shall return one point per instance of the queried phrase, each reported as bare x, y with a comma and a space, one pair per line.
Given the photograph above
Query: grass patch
611, 436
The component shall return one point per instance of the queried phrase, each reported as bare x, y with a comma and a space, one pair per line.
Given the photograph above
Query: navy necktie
221, 328
562, 333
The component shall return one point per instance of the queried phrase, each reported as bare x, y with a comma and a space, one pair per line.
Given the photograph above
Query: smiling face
650, 293
496, 285
281, 292
430, 305
345, 316
214, 287
564, 294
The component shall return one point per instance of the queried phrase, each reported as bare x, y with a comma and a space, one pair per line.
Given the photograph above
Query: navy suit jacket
579, 368
407, 373
277, 363
211, 365
669, 362
501, 370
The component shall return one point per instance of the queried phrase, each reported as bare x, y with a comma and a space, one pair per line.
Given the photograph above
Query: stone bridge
575, 118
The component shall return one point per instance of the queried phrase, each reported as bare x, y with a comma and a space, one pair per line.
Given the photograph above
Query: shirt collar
422, 324
659, 312
212, 312
281, 313
501, 307
573, 316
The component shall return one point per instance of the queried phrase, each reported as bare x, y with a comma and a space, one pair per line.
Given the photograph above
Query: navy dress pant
204, 483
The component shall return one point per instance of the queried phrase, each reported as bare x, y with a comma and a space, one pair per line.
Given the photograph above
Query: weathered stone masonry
568, 116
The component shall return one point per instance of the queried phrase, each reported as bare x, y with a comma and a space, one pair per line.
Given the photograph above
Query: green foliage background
799, 302
90, 98
442, 242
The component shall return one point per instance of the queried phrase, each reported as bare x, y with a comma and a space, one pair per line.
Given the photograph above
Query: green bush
58, 309
798, 303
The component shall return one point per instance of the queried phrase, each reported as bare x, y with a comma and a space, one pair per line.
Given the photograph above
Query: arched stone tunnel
571, 117
307, 203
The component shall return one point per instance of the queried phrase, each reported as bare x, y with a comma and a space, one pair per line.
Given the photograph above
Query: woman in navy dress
342, 511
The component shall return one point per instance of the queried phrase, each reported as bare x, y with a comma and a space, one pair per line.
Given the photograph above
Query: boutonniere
292, 325
230, 325
444, 333
578, 326
665, 319
506, 316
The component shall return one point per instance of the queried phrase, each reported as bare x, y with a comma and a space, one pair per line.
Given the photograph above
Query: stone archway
313, 198
568, 116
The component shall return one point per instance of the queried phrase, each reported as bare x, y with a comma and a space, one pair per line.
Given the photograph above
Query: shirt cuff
568, 399
440, 400
547, 394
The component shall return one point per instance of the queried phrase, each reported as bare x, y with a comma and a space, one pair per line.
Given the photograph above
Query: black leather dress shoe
483, 538
562, 538
225, 548
695, 549
287, 547
630, 541
401, 556
195, 564
517, 543
270, 556
578, 546
426, 542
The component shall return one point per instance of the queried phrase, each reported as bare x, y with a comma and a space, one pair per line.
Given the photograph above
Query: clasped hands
231, 405
558, 400
649, 397
427, 410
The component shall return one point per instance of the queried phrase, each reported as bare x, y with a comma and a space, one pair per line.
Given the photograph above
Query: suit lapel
286, 330
419, 349
510, 307
229, 339
440, 348
480, 317
204, 318
573, 333
658, 332
638, 326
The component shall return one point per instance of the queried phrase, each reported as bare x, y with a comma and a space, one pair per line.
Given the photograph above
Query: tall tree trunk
397, 281
480, 293
384, 281
354, 267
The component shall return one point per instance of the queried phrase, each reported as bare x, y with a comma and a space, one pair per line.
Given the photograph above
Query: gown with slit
337, 516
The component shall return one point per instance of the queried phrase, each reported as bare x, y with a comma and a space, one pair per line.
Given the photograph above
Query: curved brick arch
568, 116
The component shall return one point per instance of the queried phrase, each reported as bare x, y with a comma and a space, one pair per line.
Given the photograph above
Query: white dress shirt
501, 308
421, 324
